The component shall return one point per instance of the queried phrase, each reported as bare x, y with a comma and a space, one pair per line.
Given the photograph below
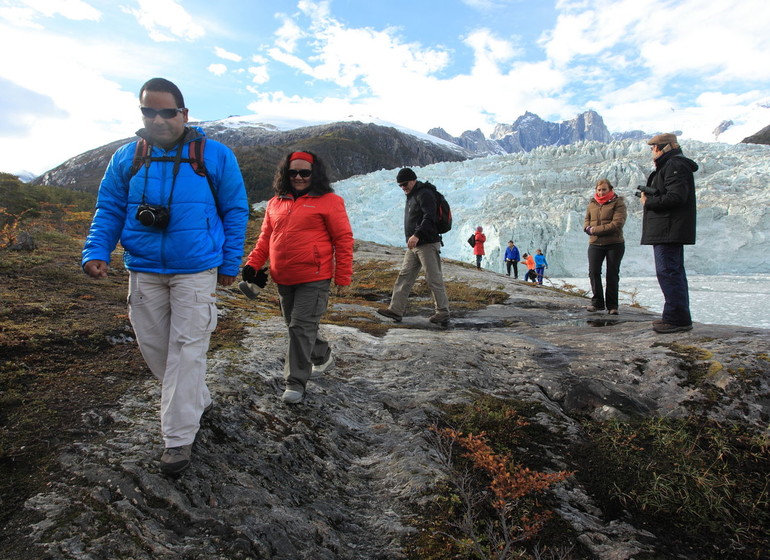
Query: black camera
649, 191
151, 215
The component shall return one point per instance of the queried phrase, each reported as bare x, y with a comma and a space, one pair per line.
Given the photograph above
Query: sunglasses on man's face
151, 113
304, 173
402, 185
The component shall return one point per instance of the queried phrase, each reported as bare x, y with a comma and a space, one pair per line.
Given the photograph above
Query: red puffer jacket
306, 240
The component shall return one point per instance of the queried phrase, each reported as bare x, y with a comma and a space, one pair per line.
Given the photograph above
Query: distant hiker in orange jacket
529, 260
478, 248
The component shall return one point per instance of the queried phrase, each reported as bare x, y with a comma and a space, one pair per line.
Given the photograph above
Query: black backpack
443, 211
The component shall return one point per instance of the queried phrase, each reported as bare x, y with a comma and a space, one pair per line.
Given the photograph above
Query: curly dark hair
319, 180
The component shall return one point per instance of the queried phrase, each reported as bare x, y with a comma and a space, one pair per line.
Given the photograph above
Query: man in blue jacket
668, 224
182, 233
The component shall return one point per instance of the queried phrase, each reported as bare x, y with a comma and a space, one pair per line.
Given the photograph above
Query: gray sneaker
175, 459
319, 369
291, 396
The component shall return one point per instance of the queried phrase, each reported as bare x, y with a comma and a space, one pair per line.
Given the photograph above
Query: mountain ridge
355, 147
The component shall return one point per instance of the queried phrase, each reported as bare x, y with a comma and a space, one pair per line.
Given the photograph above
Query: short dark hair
319, 180
164, 85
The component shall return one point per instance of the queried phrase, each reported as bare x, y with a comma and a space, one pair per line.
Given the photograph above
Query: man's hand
96, 268
224, 280
643, 198
412, 242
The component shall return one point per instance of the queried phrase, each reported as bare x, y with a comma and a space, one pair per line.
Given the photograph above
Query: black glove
255, 277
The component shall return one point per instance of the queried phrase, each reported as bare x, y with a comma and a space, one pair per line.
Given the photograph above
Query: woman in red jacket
306, 236
478, 247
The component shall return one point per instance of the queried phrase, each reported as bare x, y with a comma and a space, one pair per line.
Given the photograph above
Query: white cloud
27, 12
260, 74
288, 35
226, 55
217, 69
70, 9
166, 21
65, 67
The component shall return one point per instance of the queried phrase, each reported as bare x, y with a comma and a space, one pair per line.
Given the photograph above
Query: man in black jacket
668, 224
423, 250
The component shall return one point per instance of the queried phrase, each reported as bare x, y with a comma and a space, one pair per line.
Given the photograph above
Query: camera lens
145, 216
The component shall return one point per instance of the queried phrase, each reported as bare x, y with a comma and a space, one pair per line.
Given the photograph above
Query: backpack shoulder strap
196, 156
140, 156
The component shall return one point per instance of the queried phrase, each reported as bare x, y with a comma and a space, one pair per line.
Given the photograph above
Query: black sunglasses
151, 113
402, 185
304, 173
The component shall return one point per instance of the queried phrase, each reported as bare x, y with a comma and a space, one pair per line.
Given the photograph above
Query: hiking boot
319, 369
389, 313
292, 396
658, 322
666, 328
439, 318
612, 312
594, 309
175, 459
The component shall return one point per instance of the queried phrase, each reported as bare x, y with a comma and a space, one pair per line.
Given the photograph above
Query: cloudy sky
71, 69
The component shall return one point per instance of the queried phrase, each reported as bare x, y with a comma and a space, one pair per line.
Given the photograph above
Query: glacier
538, 199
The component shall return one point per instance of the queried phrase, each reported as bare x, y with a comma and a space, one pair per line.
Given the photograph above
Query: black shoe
594, 309
666, 328
612, 312
389, 313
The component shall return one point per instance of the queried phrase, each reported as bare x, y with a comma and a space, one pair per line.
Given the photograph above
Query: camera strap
143, 157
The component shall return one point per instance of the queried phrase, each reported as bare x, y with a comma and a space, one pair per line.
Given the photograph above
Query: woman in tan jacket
604, 220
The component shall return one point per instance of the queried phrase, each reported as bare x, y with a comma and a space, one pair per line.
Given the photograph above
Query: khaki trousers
173, 316
425, 257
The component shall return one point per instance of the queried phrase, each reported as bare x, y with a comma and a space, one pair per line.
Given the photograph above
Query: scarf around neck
604, 199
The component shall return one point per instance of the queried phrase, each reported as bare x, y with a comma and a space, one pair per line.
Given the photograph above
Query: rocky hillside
348, 148
529, 131
761, 137
356, 471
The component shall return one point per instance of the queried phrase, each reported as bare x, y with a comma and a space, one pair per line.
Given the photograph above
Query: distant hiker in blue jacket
512, 258
540, 265
182, 231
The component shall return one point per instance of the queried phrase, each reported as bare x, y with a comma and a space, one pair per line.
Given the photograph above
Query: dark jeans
478, 261
515, 265
669, 267
596, 256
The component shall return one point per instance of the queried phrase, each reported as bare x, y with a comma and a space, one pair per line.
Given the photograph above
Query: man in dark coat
423, 244
668, 224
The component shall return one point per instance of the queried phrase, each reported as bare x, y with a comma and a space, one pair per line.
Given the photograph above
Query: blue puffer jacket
198, 236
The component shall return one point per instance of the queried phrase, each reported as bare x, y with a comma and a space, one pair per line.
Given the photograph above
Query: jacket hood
677, 153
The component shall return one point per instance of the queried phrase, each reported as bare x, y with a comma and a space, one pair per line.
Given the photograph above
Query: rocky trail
340, 475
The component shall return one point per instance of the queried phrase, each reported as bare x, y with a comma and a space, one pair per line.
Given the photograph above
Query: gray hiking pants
302, 306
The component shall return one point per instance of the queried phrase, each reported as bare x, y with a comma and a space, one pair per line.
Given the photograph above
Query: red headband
301, 155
